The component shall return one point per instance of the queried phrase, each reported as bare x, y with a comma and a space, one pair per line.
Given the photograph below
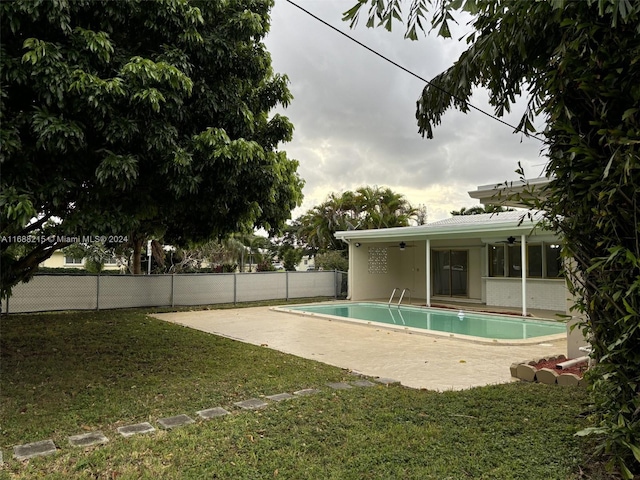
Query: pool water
454, 322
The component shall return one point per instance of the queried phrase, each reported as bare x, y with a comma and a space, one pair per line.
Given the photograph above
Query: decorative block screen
377, 260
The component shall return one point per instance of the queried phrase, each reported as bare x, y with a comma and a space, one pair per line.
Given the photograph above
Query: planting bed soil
578, 369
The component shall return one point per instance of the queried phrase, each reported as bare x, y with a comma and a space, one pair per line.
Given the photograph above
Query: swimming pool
462, 324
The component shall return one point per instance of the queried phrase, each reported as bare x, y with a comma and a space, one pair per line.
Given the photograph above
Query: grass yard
68, 373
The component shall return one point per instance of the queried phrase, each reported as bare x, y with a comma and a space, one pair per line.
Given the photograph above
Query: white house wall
407, 269
547, 294
365, 285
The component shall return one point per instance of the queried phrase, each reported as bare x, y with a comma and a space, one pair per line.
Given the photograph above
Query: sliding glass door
450, 269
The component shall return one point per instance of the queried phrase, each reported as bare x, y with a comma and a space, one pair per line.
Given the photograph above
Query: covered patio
504, 262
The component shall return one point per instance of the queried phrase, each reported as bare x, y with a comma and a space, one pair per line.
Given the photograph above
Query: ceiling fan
510, 240
402, 246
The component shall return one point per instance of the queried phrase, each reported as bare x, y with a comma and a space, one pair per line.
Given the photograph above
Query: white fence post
173, 290
98, 293
235, 288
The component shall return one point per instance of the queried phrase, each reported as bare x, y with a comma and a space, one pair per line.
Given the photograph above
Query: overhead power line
395, 64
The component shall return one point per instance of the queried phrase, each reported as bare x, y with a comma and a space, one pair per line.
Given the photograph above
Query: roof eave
439, 232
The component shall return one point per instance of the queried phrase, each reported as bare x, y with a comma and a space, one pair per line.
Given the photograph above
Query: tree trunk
137, 243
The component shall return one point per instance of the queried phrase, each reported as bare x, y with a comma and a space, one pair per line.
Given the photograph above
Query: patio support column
428, 268
351, 271
523, 270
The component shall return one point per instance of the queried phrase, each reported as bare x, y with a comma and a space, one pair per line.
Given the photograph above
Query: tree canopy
578, 64
364, 208
124, 120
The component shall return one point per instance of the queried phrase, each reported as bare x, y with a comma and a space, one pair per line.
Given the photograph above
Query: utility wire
431, 84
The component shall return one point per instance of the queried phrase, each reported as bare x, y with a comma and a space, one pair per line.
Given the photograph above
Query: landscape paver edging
525, 371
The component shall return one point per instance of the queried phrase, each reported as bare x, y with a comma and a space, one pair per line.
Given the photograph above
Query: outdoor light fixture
402, 245
357, 244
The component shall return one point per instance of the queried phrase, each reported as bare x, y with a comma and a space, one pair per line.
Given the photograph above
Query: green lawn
68, 373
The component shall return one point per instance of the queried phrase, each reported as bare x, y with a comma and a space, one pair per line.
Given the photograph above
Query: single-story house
60, 260
504, 259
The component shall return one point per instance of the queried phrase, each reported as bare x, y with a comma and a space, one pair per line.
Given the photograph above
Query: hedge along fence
96, 292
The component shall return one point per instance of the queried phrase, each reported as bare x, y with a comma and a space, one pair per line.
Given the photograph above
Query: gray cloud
354, 114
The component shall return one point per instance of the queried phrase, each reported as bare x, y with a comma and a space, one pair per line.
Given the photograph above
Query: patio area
416, 361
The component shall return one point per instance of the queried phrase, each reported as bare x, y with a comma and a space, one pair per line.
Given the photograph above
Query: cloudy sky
354, 114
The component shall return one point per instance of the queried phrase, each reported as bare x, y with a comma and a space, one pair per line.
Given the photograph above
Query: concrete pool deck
417, 361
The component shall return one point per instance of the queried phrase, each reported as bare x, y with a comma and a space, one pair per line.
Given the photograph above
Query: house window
515, 260
534, 261
496, 260
72, 261
543, 261
553, 260
111, 261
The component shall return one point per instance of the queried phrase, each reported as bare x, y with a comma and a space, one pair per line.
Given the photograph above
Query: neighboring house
306, 263
59, 260
474, 258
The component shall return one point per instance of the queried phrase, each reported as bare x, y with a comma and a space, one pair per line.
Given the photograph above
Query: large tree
578, 63
136, 119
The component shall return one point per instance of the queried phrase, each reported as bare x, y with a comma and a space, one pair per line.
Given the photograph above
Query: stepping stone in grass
177, 421
129, 430
279, 397
251, 404
88, 439
363, 383
339, 386
306, 391
212, 412
35, 449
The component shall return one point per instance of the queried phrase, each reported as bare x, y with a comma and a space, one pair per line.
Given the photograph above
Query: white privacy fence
98, 292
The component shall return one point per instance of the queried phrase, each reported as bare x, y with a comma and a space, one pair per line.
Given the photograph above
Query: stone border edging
525, 371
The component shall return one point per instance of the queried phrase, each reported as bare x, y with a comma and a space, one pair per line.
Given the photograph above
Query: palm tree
367, 207
254, 246
480, 209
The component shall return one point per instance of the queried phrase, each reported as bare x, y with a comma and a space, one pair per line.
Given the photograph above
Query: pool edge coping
420, 331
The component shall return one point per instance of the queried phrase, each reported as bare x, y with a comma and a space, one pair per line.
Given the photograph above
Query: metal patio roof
522, 222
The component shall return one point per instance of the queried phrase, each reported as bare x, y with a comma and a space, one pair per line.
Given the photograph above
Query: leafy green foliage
140, 119
364, 208
332, 260
579, 64
291, 258
265, 266
480, 209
